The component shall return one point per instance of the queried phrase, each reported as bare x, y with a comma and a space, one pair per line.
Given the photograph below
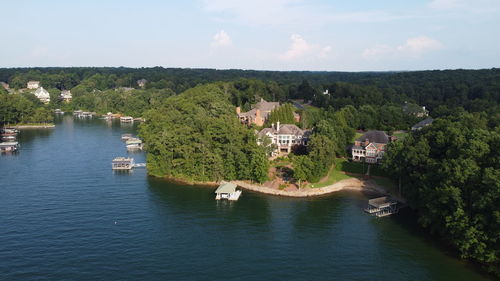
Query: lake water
65, 215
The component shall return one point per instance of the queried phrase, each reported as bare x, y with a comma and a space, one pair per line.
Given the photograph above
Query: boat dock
10, 146
125, 164
382, 206
227, 191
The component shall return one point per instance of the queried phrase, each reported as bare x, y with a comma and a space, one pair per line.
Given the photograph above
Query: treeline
378, 96
450, 173
23, 108
196, 136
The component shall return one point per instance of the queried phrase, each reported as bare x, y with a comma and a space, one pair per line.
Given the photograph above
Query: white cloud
221, 39
413, 47
300, 48
419, 45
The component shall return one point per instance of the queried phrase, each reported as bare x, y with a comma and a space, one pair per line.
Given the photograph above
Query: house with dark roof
284, 137
370, 147
259, 113
421, 124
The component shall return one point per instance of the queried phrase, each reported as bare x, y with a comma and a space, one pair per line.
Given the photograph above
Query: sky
317, 35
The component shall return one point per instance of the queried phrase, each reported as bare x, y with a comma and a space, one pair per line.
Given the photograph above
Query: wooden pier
382, 206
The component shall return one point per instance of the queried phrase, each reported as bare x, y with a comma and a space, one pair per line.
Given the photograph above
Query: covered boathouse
227, 190
382, 206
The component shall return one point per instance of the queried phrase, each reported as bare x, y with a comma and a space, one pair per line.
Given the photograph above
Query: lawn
400, 134
334, 175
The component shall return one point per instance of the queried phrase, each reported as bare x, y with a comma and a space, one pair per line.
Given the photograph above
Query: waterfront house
227, 190
66, 95
33, 84
284, 137
42, 95
370, 147
421, 124
258, 114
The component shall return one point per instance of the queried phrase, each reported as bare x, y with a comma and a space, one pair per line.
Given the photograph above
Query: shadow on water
425, 241
250, 209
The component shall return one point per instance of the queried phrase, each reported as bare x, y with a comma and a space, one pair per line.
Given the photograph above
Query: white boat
134, 147
134, 141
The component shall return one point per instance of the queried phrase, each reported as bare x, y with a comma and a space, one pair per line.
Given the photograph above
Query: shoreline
41, 126
353, 184
346, 184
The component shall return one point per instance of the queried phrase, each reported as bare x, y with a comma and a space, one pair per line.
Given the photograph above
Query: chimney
238, 110
257, 113
272, 125
367, 141
278, 126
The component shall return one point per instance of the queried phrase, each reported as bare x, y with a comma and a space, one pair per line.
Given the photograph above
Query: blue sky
330, 35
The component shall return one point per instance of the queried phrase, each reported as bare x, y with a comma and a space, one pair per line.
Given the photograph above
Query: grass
400, 135
335, 174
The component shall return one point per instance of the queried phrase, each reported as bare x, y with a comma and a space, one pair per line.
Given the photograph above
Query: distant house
284, 137
33, 84
370, 147
66, 95
421, 124
142, 82
42, 95
415, 110
259, 114
5, 85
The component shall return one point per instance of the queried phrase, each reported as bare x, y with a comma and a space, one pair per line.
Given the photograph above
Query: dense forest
448, 172
196, 136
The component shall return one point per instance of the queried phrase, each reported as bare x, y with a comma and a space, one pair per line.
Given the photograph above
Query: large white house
370, 147
42, 95
284, 137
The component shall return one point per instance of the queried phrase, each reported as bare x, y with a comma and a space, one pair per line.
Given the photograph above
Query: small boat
9, 130
134, 141
126, 119
58, 111
134, 147
8, 138
126, 137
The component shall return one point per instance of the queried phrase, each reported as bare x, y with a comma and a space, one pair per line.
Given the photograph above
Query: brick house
259, 113
370, 147
284, 137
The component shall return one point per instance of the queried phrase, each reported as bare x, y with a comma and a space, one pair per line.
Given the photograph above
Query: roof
381, 202
423, 123
8, 143
285, 129
226, 187
374, 136
266, 106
